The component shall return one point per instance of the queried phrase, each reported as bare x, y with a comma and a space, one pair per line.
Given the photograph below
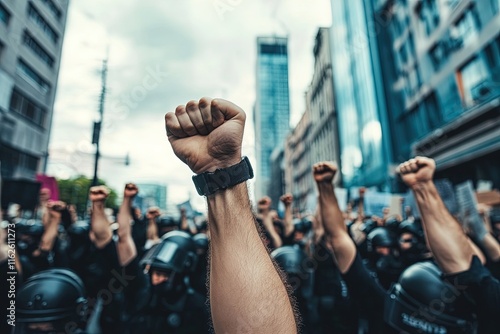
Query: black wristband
208, 183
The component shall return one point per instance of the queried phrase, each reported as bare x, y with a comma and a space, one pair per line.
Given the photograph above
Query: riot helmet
422, 302
52, 301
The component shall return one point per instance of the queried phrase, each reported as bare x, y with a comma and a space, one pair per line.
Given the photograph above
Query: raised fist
153, 212
55, 208
206, 135
130, 190
324, 171
98, 193
417, 170
264, 204
287, 199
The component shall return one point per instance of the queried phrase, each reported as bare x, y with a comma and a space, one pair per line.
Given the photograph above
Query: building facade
360, 101
445, 84
151, 195
31, 38
272, 106
277, 182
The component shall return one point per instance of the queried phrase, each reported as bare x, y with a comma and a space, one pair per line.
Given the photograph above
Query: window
428, 13
4, 15
471, 81
467, 27
438, 55
433, 111
30, 41
29, 109
25, 71
53, 9
38, 19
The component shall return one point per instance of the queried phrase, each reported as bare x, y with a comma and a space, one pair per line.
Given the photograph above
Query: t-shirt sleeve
364, 286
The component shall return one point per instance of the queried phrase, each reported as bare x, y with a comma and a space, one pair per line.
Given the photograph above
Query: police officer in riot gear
412, 247
293, 261
173, 305
423, 303
51, 302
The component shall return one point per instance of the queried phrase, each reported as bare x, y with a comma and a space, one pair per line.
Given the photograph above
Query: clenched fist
324, 171
131, 190
287, 199
417, 171
206, 134
98, 193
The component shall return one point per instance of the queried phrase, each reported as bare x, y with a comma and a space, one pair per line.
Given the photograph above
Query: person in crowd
53, 301
453, 253
456, 316
411, 241
207, 135
152, 234
266, 218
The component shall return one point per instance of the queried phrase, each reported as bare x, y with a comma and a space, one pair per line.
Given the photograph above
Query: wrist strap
210, 182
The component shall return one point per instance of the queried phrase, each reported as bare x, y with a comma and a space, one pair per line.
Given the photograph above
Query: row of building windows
56, 12
12, 159
38, 19
4, 14
28, 108
39, 50
30, 75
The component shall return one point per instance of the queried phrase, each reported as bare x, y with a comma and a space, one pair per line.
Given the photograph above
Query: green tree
75, 191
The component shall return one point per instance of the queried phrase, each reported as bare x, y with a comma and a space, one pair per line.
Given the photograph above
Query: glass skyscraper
272, 106
360, 103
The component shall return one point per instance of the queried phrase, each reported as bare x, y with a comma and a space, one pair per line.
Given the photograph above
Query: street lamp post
97, 125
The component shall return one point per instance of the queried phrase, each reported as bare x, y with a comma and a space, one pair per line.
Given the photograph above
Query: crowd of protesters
250, 270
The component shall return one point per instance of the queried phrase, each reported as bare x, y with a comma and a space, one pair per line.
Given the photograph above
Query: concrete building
277, 181
272, 106
298, 179
31, 38
324, 133
444, 81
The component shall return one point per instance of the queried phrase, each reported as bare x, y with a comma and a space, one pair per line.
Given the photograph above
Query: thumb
228, 109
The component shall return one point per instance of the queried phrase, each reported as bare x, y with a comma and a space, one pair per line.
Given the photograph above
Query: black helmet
369, 225
303, 225
423, 303
29, 227
380, 237
176, 252
392, 224
293, 261
55, 296
412, 226
167, 221
201, 241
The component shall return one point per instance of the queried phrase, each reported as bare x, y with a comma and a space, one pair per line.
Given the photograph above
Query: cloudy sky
162, 54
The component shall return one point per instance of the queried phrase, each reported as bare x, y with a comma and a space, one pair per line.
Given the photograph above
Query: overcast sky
162, 54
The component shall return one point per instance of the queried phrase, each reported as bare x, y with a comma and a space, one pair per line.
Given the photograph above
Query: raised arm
99, 223
126, 247
287, 200
446, 238
246, 291
264, 212
336, 233
152, 231
51, 228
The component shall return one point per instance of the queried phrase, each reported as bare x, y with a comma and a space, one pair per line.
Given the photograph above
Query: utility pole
97, 125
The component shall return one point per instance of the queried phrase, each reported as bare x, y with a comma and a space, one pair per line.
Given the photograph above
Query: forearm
152, 232
268, 225
126, 247
50, 234
445, 236
288, 220
244, 284
100, 225
333, 223
184, 223
491, 248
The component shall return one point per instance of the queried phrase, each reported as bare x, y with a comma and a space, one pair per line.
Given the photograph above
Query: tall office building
272, 106
445, 83
31, 38
360, 101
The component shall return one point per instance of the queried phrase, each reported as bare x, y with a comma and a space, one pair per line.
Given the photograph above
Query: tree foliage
75, 191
